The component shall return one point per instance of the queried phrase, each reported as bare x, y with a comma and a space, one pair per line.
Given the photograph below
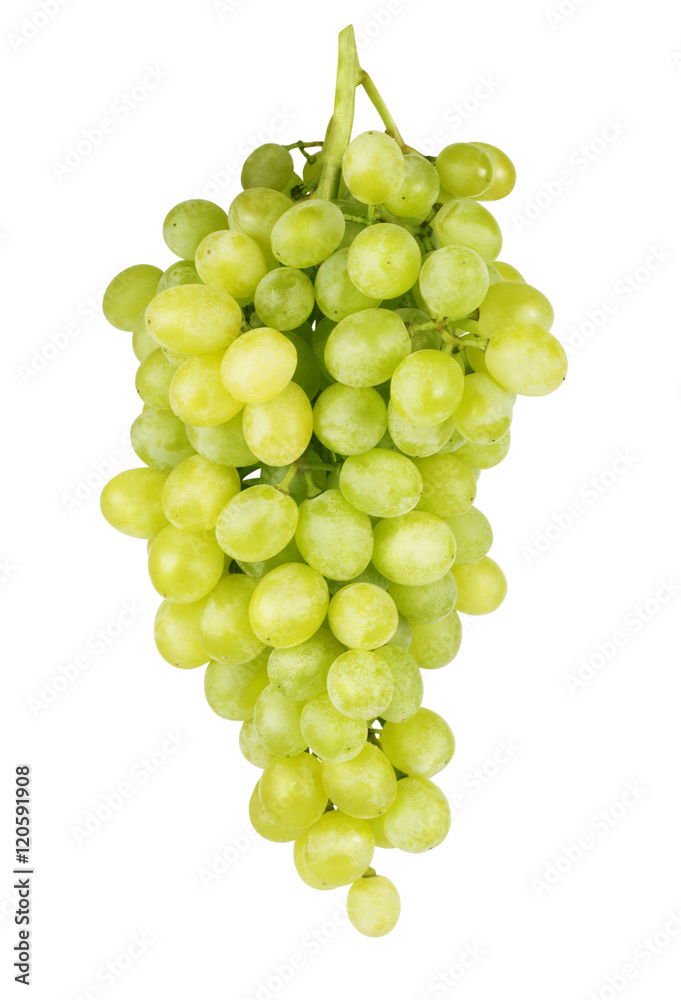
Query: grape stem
339, 132
382, 108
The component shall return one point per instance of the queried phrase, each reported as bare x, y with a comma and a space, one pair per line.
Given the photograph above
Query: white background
588, 538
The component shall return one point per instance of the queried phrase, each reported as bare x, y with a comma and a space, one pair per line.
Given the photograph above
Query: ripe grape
373, 905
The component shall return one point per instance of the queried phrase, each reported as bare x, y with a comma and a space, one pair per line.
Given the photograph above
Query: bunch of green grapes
325, 371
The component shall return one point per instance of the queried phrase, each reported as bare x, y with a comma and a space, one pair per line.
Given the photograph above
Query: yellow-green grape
407, 683
188, 223
256, 524
514, 303
193, 319
279, 430
269, 165
414, 549
333, 536
384, 261
429, 603
421, 746
258, 570
307, 233
421, 340
454, 281
295, 180
485, 456
254, 212
307, 374
259, 365
495, 277
251, 747
418, 191
224, 630
464, 169
289, 605
401, 638
300, 672
160, 440
131, 502
263, 825
224, 444
197, 394
381, 483
277, 722
184, 566
338, 848
473, 534
364, 349
526, 359
507, 271
449, 485
291, 791
129, 293
471, 357
363, 787
503, 173
435, 644
373, 167
420, 817
232, 262
301, 865
330, 734
174, 357
465, 223
362, 616
486, 409
284, 298
153, 379
176, 632
373, 906
349, 421
360, 684
182, 272
232, 689
378, 829
142, 344
482, 586
426, 388
320, 337
418, 442
337, 296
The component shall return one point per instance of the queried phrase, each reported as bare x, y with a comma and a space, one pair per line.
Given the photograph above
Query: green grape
142, 344
373, 167
269, 165
485, 456
153, 379
449, 485
526, 359
291, 791
129, 293
197, 394
373, 906
414, 549
507, 271
131, 502
514, 303
279, 430
307, 233
472, 357
401, 638
300, 672
482, 586
485, 411
294, 181
421, 340
381, 483
301, 865
182, 272
160, 440
454, 281
360, 684
333, 536
420, 817
259, 365
503, 176
263, 825
418, 442
455, 440
193, 319
364, 786
336, 295
384, 261
418, 191
232, 689
320, 339
251, 747
224, 444
349, 421
364, 349
435, 644
289, 605
338, 848
258, 570
463, 222
307, 374
256, 524
330, 734
254, 213
232, 262
184, 566
176, 633
421, 746
284, 298
407, 683
464, 169
368, 575
426, 388
429, 603
494, 276
378, 829
352, 229
362, 616
175, 357
224, 630
473, 534
196, 491
188, 223
277, 722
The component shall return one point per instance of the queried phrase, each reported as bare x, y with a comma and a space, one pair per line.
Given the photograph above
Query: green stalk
339, 132
382, 108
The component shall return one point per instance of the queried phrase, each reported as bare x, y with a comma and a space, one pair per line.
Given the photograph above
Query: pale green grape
364, 349
258, 570
301, 865
291, 791
362, 616
368, 575
182, 272
378, 829
193, 319
426, 388
349, 421
421, 340
254, 212
463, 222
420, 817
337, 296
284, 298
269, 165
485, 411
176, 633
507, 271
294, 181
263, 825
232, 262
153, 379
503, 173
279, 430
422, 745
224, 630
373, 167
333, 536
129, 293
360, 684
418, 442
131, 502
174, 357
381, 483
485, 456
300, 671
364, 786
307, 374
251, 747
401, 638
373, 905
188, 223
184, 566
142, 344
473, 534
449, 485
414, 549
482, 586
277, 722
428, 603
435, 644
384, 261
160, 440
418, 191
455, 439
330, 734
338, 848
526, 359
320, 338
513, 303
232, 689
258, 365
198, 395
289, 605
224, 444
307, 233
454, 281
256, 524
464, 169
407, 683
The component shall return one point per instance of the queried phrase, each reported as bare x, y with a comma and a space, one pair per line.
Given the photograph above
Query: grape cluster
324, 375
